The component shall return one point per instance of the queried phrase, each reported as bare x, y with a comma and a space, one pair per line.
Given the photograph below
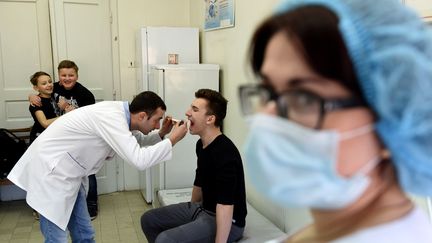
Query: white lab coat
75, 146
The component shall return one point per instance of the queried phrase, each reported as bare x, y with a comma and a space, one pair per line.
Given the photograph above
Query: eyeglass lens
300, 106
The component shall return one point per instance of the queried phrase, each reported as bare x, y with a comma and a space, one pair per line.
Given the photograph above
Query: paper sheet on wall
219, 14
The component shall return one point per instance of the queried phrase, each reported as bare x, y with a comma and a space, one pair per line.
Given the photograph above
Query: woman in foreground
345, 121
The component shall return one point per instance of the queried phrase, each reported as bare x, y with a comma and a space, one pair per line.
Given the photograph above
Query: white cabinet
153, 44
176, 85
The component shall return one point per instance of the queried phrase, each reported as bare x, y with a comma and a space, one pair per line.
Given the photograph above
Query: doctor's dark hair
147, 102
67, 64
216, 104
314, 32
34, 78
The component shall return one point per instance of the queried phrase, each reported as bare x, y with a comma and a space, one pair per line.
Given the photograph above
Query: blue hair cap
391, 50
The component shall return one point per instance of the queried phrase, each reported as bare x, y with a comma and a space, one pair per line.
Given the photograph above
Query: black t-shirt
49, 108
78, 96
220, 175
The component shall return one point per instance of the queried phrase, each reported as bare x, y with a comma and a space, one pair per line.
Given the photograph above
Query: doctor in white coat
76, 145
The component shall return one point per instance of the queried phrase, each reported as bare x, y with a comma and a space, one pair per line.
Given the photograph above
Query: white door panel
86, 40
82, 33
25, 47
77, 30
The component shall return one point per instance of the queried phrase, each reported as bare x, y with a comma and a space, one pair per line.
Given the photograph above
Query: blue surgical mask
296, 166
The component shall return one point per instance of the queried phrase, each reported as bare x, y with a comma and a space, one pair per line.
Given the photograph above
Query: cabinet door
25, 47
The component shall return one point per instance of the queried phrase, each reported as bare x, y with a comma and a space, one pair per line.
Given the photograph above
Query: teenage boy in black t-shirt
68, 92
69, 95
217, 210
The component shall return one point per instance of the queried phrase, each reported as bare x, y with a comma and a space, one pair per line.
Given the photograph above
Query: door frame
117, 81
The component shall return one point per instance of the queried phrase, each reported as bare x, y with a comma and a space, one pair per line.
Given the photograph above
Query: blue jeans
79, 225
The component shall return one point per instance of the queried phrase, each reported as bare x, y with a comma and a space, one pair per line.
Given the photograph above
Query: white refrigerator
176, 85
154, 44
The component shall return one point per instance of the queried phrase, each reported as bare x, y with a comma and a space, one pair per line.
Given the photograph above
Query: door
25, 47
81, 31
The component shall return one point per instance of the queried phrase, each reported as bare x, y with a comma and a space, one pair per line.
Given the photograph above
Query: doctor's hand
179, 131
167, 125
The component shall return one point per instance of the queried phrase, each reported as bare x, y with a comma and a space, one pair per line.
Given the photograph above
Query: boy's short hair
67, 64
36, 75
148, 102
216, 104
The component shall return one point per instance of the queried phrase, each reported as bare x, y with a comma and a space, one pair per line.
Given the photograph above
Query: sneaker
93, 217
93, 211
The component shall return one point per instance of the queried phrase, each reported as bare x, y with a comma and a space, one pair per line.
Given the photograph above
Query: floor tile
118, 220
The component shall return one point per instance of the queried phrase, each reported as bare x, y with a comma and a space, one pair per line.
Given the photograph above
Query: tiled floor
118, 220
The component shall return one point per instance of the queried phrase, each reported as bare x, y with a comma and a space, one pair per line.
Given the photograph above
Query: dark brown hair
148, 102
314, 30
36, 75
67, 64
216, 104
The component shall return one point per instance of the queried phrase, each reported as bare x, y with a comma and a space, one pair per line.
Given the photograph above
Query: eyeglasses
301, 106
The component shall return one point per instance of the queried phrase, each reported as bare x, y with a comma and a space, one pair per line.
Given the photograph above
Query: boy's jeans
79, 225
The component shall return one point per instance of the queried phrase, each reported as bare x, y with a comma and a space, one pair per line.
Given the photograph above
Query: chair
22, 133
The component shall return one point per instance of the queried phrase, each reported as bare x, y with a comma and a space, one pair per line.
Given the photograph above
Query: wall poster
219, 14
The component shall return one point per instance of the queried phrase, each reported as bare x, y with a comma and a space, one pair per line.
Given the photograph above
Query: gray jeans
183, 222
